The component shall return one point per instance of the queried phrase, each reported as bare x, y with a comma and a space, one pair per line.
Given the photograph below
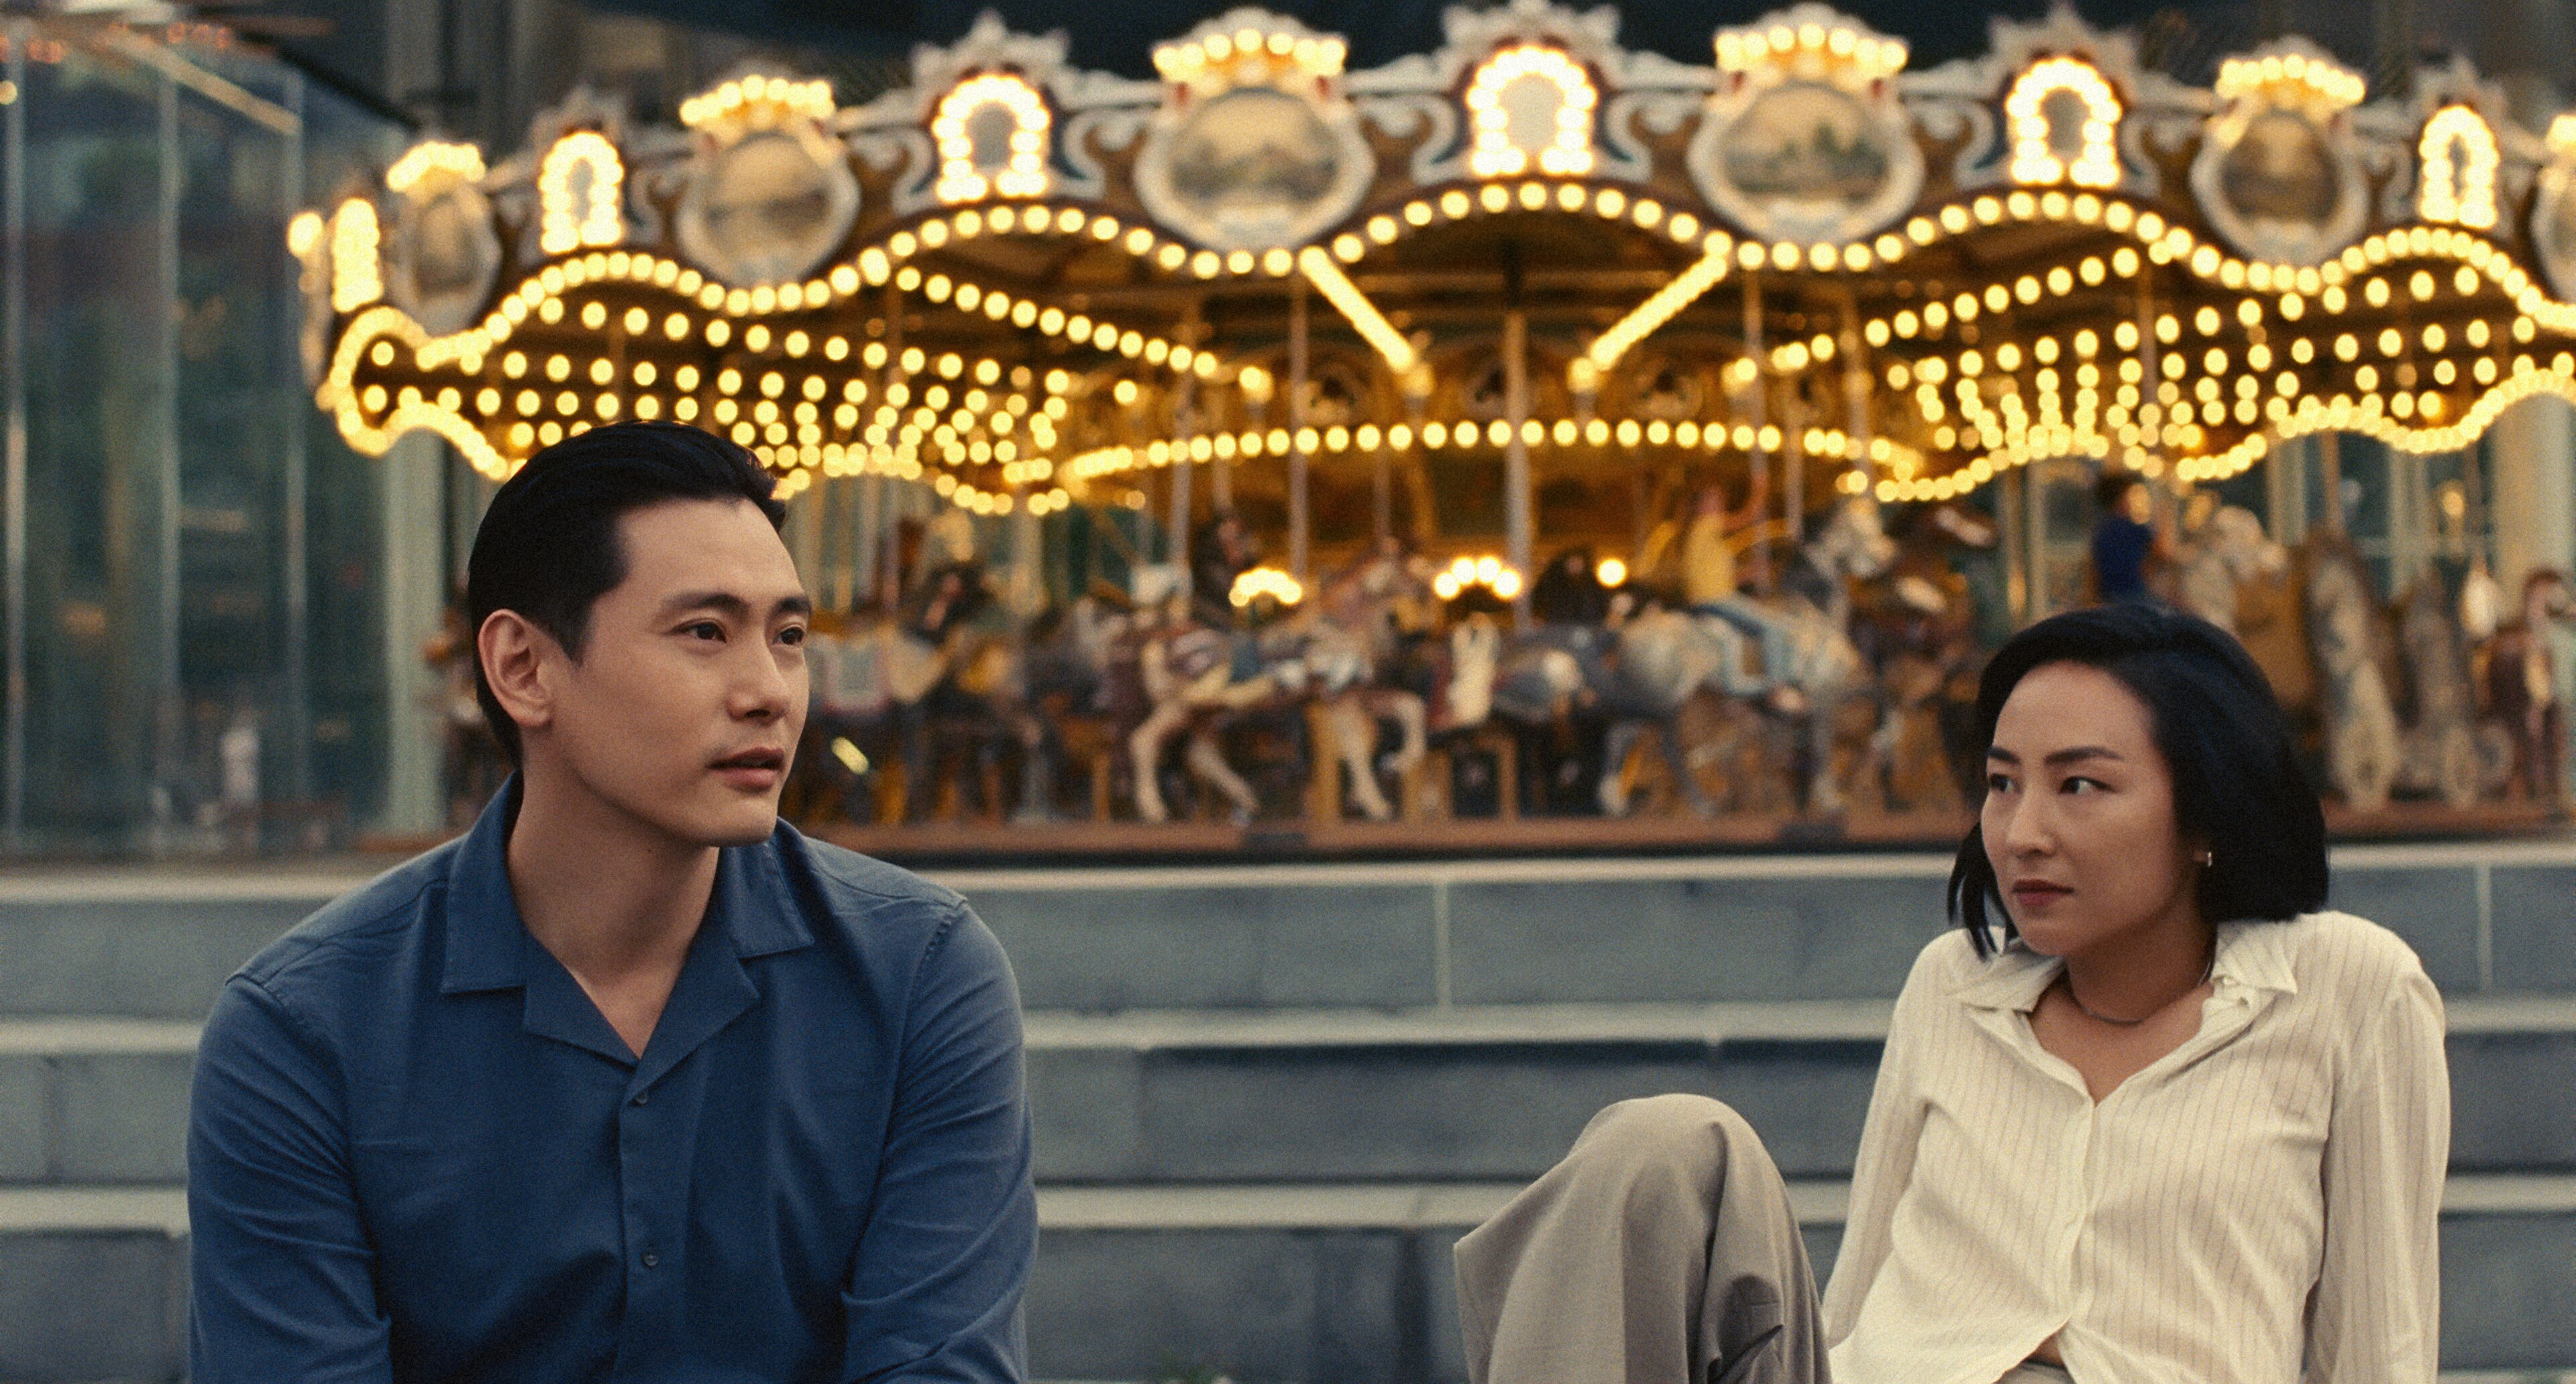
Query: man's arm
282, 1277
935, 1292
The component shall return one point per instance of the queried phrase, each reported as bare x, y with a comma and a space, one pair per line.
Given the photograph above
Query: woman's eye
1998, 783
2081, 785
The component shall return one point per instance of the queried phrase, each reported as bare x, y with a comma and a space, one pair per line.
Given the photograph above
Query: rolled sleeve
282, 1283
935, 1292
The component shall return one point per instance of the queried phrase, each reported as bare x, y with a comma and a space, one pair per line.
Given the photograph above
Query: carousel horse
2236, 577
1916, 624
1197, 679
1824, 692
2522, 679
1349, 647
2445, 752
1192, 676
2362, 746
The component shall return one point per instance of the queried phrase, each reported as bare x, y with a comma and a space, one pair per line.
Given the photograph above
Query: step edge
1861, 1020
1186, 1206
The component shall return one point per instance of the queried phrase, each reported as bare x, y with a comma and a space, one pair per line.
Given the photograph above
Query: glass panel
98, 397
204, 624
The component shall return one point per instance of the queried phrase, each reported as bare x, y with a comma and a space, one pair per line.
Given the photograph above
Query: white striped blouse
2256, 1207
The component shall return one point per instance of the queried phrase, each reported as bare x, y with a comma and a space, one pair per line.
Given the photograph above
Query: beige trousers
1661, 1251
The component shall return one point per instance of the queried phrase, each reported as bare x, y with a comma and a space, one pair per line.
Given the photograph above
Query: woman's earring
2208, 859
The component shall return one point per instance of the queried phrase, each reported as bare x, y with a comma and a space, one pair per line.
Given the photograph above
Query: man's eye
793, 634
705, 629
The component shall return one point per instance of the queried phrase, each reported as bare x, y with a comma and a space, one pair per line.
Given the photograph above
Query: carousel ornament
2276, 173
581, 188
738, 275
2458, 162
771, 195
443, 256
2065, 125
1805, 140
1255, 149
2553, 210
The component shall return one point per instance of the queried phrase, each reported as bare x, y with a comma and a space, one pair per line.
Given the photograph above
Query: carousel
1530, 443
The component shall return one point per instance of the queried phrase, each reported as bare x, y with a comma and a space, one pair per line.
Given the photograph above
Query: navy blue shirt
419, 1152
2120, 548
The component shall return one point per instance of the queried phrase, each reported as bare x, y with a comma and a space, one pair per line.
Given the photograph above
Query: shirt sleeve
935, 1291
282, 1276
1885, 1163
2376, 1314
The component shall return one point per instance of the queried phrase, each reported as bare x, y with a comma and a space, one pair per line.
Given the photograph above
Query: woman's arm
2377, 1314
1886, 1160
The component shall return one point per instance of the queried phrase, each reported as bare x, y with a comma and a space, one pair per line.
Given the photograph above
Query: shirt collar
752, 904
2249, 955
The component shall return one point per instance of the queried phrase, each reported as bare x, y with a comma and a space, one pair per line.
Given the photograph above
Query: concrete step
2485, 917
1333, 1283
93, 1284
1299, 1096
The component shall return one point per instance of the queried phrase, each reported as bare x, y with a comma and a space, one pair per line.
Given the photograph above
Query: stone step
1299, 1096
93, 1284
2486, 917
1336, 1283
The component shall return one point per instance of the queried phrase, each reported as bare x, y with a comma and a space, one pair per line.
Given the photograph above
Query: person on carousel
2129, 550
632, 1079
2147, 1112
1224, 551
1711, 547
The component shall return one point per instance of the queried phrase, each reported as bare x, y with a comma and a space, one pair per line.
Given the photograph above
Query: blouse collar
2250, 955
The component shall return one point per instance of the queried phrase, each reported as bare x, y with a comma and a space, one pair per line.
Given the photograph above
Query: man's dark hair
2237, 784
2111, 487
549, 548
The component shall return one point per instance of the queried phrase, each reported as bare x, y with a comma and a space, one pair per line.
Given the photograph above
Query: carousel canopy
1033, 285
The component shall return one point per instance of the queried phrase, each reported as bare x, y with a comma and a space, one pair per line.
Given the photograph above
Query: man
2127, 544
632, 1081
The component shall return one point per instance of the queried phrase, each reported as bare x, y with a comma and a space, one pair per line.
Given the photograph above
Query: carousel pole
1516, 467
1855, 384
1758, 458
13, 489
1184, 425
2330, 479
877, 517
1299, 538
1381, 494
1793, 468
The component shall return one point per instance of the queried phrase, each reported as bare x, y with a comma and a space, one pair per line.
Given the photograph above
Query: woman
2146, 1114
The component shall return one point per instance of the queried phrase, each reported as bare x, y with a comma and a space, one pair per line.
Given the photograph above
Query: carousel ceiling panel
1026, 282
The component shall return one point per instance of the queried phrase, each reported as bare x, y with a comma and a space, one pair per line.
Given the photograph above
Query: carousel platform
1269, 1097
969, 843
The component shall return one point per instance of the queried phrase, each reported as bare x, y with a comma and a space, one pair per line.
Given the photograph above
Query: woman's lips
2038, 892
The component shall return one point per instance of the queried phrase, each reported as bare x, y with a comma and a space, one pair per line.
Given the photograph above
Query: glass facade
196, 564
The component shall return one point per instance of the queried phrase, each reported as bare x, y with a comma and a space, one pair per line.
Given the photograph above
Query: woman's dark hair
548, 546
2237, 784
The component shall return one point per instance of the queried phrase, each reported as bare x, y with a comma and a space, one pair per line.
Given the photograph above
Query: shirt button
652, 1260
646, 1098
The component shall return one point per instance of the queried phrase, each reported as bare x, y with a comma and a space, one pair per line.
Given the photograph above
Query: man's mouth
754, 760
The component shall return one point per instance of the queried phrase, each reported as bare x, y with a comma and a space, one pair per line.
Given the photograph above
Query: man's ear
517, 658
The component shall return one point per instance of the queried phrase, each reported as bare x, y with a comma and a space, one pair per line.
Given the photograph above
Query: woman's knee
1688, 1137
